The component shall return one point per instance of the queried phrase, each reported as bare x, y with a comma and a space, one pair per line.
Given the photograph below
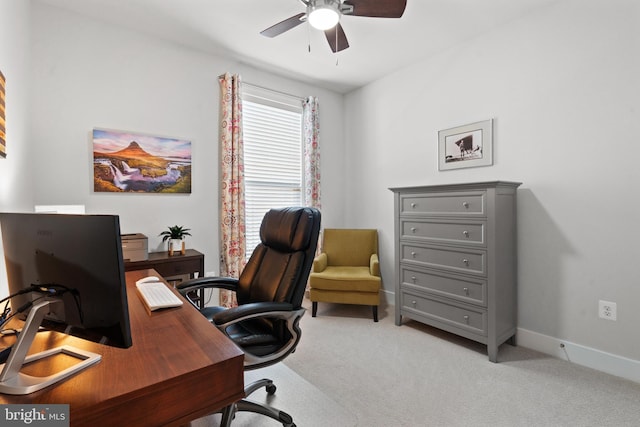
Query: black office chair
269, 293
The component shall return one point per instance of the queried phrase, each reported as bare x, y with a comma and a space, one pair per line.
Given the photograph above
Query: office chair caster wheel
271, 389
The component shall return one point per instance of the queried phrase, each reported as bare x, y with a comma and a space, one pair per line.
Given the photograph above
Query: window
273, 156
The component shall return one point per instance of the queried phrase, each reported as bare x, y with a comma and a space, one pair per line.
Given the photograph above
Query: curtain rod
273, 91
302, 98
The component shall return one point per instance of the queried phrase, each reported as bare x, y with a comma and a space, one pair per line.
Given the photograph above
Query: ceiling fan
325, 16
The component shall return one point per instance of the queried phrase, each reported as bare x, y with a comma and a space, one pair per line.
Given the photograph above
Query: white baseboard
389, 297
581, 355
575, 353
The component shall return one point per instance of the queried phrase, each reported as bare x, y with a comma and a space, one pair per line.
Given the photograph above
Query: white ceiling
378, 46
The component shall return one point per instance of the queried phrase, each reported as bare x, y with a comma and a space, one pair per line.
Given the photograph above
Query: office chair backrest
280, 265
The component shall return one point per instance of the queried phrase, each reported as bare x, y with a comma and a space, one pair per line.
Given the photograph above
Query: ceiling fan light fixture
323, 15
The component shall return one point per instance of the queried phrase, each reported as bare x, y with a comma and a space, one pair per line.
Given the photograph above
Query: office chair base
268, 385
280, 416
244, 405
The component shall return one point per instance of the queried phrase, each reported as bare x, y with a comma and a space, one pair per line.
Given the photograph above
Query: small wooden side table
169, 266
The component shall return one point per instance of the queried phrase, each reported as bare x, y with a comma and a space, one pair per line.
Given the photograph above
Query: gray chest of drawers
455, 259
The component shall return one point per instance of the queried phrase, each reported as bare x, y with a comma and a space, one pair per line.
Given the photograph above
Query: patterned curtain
232, 223
311, 131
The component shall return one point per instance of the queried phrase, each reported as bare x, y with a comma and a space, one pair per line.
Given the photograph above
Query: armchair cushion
357, 279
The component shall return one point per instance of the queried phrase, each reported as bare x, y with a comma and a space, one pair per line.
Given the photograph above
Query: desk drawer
461, 260
471, 203
465, 289
459, 316
442, 231
186, 266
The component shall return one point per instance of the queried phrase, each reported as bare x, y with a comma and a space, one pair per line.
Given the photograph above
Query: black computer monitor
71, 264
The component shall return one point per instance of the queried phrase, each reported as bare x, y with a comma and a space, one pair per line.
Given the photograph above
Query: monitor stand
12, 381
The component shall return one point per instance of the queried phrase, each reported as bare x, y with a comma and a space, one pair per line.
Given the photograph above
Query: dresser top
460, 186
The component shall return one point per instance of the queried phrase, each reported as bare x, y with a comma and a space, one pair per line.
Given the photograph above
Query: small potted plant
175, 235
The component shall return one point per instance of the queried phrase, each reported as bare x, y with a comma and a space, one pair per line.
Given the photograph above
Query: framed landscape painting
466, 146
138, 163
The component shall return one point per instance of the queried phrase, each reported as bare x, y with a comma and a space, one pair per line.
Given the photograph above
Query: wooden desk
179, 368
175, 265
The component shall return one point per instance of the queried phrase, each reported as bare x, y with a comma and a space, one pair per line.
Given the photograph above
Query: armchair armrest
187, 286
320, 263
374, 265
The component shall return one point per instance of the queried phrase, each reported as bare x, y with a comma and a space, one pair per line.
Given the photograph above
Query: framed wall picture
138, 163
3, 125
466, 146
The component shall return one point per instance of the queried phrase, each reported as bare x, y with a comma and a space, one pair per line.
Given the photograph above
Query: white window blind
273, 156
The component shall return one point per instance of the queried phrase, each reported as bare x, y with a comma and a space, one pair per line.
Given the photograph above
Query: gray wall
562, 86
16, 170
16, 177
89, 74
560, 83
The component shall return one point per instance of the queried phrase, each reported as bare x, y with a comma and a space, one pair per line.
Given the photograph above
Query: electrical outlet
607, 310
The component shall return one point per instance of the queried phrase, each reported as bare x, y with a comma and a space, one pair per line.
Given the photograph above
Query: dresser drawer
442, 231
461, 260
468, 318
465, 289
471, 203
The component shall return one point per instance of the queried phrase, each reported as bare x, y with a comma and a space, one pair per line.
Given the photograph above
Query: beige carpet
294, 395
349, 371
415, 375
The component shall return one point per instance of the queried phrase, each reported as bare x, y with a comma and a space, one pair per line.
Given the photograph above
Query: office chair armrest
247, 311
284, 311
374, 265
207, 282
320, 263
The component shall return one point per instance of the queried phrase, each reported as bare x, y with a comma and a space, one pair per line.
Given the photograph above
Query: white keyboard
156, 295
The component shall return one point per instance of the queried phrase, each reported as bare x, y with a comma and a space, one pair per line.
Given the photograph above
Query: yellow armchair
347, 271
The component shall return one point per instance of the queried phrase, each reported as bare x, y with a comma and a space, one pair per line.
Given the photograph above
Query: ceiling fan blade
339, 43
377, 8
286, 25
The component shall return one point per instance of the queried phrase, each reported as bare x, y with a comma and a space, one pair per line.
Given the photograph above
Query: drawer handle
466, 291
413, 254
466, 234
466, 319
413, 229
465, 204
413, 279
414, 302
413, 205
466, 262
